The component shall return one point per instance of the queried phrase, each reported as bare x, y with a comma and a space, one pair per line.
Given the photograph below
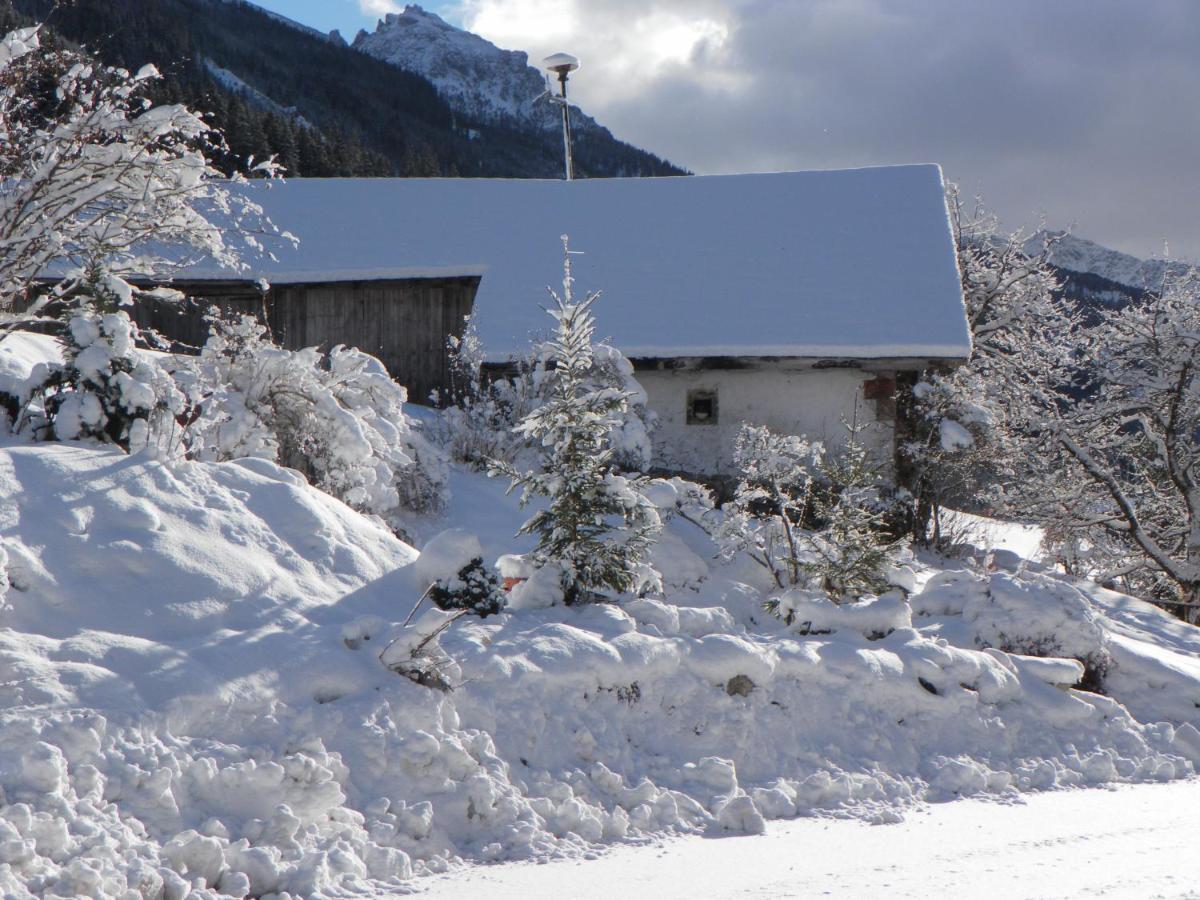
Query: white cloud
1079, 108
622, 44
379, 7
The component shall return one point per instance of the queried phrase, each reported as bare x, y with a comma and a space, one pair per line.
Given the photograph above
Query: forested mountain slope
324, 108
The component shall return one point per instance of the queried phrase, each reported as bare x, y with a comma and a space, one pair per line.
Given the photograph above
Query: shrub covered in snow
772, 502
1030, 614
598, 526
106, 389
808, 518
339, 419
99, 186
451, 566
475, 588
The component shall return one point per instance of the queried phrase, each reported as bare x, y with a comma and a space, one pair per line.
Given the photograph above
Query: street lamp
562, 64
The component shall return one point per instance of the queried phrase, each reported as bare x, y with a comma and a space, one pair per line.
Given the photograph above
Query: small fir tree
598, 525
476, 589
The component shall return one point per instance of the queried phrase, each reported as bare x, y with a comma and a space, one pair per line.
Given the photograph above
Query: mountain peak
473, 75
414, 11
1078, 254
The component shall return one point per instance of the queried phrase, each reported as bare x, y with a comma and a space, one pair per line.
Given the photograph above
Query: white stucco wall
812, 402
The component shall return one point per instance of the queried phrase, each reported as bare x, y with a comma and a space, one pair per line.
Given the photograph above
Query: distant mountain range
1094, 275
417, 97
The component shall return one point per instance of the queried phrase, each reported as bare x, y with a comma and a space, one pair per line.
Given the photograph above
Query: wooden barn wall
404, 323
184, 323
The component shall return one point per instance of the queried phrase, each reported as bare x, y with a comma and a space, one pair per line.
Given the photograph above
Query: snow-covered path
1131, 841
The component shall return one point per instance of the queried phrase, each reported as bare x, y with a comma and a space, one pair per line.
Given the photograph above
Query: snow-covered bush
772, 502
598, 526
1027, 614
481, 425
475, 588
808, 518
106, 389
339, 419
97, 186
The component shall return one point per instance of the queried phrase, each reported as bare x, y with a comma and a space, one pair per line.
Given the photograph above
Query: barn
796, 300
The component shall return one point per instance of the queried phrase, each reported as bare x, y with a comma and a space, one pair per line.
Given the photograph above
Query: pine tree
598, 526
281, 139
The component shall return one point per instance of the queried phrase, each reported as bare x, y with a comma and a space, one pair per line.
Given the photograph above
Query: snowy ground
1125, 842
194, 703
193, 697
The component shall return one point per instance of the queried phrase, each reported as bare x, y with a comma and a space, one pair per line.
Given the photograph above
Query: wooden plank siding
403, 322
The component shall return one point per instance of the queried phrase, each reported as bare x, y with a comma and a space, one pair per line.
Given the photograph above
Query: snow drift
193, 699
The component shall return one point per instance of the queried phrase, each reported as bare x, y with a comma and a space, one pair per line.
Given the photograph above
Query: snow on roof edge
319, 276
946, 352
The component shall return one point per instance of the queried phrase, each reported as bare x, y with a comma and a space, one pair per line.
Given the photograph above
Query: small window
702, 408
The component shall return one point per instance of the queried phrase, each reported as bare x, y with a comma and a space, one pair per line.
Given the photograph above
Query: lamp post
562, 64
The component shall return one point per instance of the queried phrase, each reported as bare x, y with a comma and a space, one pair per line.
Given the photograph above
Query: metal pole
566, 116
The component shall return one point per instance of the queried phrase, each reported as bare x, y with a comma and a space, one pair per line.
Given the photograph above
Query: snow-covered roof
854, 263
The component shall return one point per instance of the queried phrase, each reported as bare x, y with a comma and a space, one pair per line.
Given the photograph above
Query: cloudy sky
1086, 112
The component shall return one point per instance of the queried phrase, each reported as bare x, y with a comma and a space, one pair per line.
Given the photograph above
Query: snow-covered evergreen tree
849, 550
597, 526
480, 424
106, 390
475, 588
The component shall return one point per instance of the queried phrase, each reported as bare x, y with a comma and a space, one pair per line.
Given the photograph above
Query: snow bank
444, 556
193, 696
22, 352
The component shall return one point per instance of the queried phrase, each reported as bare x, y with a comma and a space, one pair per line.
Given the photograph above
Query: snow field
1053, 844
194, 703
